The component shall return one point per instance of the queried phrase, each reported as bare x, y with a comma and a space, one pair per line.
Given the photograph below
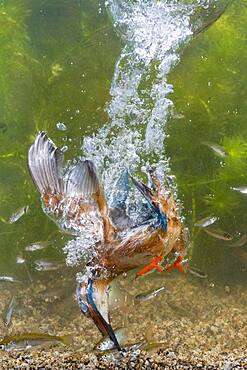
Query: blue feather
81, 303
162, 218
106, 325
147, 193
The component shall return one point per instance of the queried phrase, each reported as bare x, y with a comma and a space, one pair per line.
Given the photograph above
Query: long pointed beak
88, 307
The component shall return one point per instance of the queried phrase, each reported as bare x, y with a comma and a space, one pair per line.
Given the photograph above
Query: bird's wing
81, 181
45, 162
78, 192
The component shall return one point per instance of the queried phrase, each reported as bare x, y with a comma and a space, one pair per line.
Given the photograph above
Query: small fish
45, 265
218, 149
20, 259
179, 310
131, 347
18, 214
61, 126
116, 354
9, 279
106, 344
219, 234
195, 272
178, 116
241, 189
240, 242
29, 340
206, 221
37, 246
8, 312
153, 346
143, 297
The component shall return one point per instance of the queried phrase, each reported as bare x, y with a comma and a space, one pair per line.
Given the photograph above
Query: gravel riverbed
193, 324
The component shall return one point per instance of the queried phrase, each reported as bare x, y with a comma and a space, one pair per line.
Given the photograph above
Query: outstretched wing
45, 164
82, 181
69, 197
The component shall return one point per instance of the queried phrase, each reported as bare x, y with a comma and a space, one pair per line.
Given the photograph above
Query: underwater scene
123, 184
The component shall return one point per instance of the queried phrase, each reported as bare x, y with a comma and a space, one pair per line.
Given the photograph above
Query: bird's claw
152, 265
176, 264
155, 265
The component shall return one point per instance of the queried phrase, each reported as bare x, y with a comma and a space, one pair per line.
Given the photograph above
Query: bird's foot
152, 265
176, 264
155, 265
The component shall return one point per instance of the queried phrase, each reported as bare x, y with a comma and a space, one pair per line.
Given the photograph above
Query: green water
210, 92
56, 64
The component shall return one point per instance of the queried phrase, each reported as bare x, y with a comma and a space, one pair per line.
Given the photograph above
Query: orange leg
152, 265
176, 264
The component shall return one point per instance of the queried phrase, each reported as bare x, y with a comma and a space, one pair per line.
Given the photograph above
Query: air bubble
61, 126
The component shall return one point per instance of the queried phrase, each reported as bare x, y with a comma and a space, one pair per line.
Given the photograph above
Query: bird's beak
87, 303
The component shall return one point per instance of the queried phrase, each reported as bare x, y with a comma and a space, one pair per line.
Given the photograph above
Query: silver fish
195, 272
153, 346
18, 214
29, 340
219, 234
45, 265
9, 279
20, 259
240, 242
206, 221
37, 246
241, 189
218, 149
8, 312
178, 115
106, 343
131, 347
143, 297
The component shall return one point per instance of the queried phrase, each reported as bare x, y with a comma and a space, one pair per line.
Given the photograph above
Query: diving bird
74, 198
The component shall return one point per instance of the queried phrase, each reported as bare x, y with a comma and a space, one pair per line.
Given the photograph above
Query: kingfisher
74, 198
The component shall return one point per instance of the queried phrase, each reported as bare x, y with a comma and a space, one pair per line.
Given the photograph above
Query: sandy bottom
193, 324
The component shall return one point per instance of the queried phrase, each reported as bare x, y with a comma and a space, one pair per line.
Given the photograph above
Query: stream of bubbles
154, 34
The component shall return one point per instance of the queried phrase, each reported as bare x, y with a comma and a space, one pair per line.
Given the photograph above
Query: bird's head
90, 297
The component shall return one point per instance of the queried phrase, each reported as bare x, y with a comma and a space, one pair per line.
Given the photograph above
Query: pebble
229, 366
208, 334
171, 355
